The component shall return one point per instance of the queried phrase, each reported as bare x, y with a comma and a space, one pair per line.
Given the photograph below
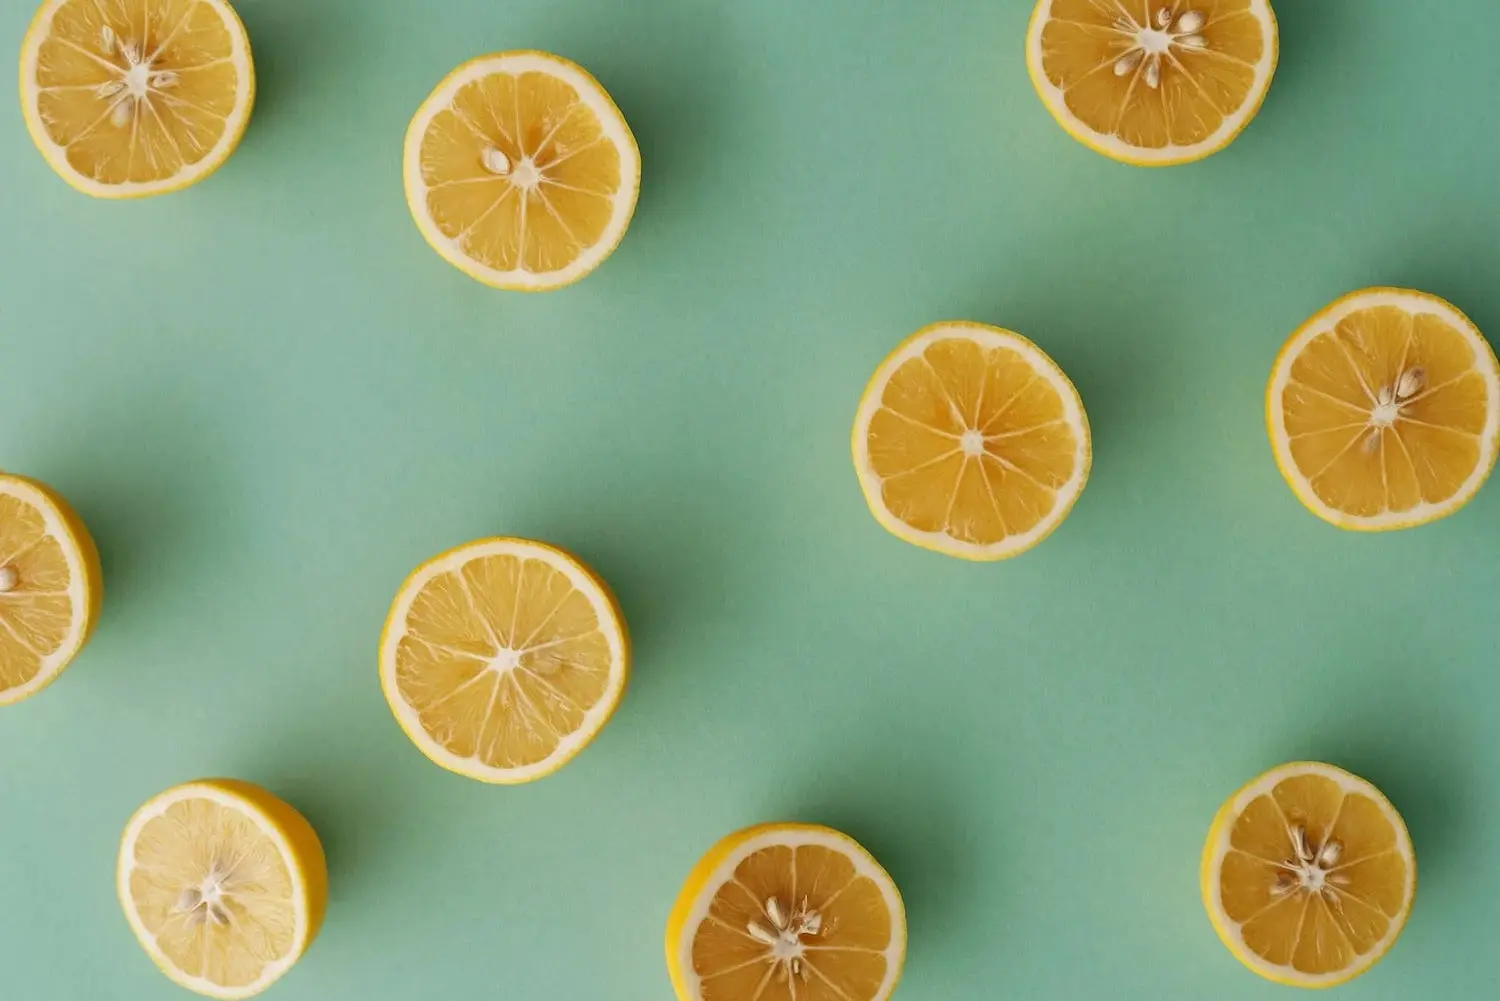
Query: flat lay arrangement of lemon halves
503, 659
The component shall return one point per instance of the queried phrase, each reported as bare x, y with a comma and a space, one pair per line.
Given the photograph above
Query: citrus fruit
970, 441
51, 587
1384, 410
1152, 82
504, 658
127, 98
223, 884
521, 172
787, 912
1308, 875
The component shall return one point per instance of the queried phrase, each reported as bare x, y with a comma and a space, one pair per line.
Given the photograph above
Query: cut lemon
1153, 82
787, 912
127, 98
51, 587
1309, 875
970, 441
504, 658
223, 884
1384, 410
521, 172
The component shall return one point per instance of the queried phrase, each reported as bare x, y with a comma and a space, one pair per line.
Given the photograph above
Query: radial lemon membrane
1151, 81
50, 587
792, 914
974, 437
1387, 411
225, 885
137, 96
520, 170
507, 661
1316, 877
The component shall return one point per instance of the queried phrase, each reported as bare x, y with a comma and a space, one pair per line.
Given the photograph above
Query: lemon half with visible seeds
521, 172
128, 98
51, 587
1384, 410
1309, 875
1153, 82
787, 912
224, 885
970, 441
503, 659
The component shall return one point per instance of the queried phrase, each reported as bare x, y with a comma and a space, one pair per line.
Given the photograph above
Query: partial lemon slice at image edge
970, 441
1309, 875
521, 172
787, 912
1384, 410
1152, 82
129, 99
224, 885
51, 587
503, 659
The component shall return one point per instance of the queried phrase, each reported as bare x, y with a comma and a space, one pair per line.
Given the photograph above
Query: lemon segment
51, 587
521, 172
503, 659
971, 442
787, 912
129, 98
223, 884
1309, 875
1152, 82
1384, 410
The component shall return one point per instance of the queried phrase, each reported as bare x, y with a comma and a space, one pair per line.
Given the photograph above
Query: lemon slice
521, 172
51, 587
224, 885
1153, 82
1384, 410
787, 912
970, 441
1309, 875
503, 659
128, 99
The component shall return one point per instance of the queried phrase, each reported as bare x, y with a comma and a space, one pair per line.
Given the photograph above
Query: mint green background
270, 401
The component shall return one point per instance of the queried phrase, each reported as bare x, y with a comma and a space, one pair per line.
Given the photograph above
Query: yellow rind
1288, 469
95, 189
421, 739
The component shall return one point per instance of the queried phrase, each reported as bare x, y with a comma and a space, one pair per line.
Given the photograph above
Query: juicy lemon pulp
224, 884
787, 913
1153, 81
503, 659
1384, 409
524, 172
50, 587
137, 96
1309, 875
971, 441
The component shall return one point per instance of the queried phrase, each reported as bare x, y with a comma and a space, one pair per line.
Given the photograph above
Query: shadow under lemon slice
1309, 875
970, 441
503, 659
1384, 410
787, 912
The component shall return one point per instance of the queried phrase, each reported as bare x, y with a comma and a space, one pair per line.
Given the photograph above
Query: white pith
1149, 37
1073, 415
864, 865
1325, 322
78, 596
127, 865
591, 95
1231, 930
570, 744
137, 83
